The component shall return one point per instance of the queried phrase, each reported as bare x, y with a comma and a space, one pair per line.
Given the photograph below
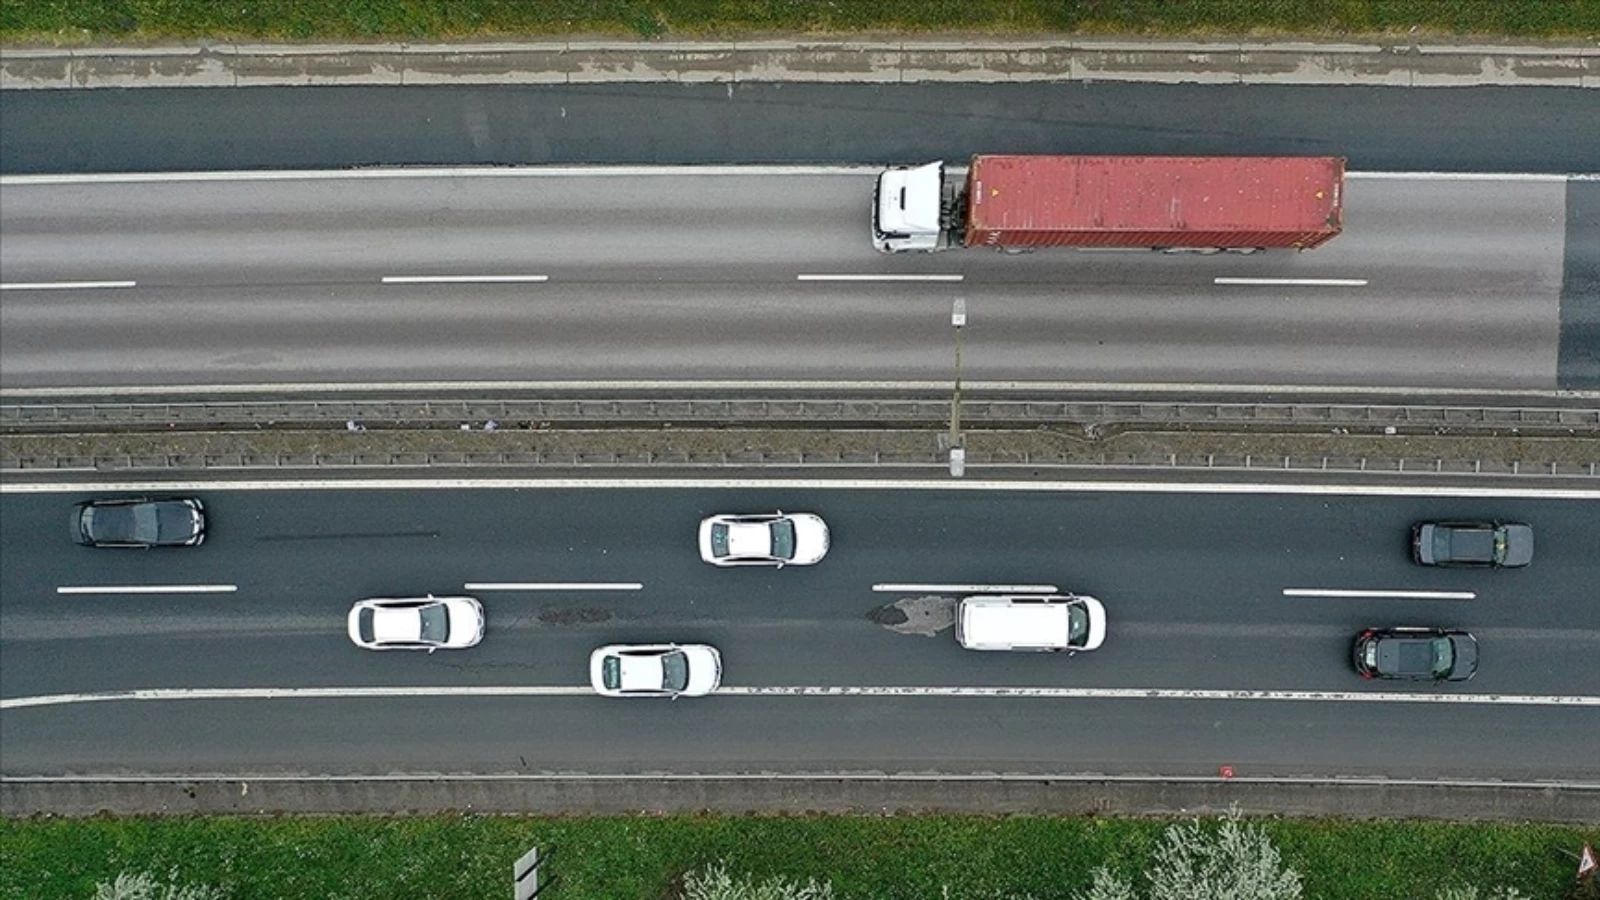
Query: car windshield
611, 673
783, 539
675, 671
1444, 657
435, 623
719, 540
364, 624
1077, 624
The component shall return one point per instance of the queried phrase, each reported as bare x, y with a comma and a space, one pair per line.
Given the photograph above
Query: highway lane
1467, 129
1193, 584
1452, 283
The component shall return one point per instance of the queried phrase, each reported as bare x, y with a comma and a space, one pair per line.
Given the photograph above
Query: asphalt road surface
1436, 283
1482, 129
1193, 583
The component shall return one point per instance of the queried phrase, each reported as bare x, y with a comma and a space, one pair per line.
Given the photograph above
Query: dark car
178, 522
1417, 654
1494, 544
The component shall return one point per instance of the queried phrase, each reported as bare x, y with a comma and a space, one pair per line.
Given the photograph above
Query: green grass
618, 858
140, 20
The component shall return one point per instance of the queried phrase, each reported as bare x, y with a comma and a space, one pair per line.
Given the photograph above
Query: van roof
1002, 622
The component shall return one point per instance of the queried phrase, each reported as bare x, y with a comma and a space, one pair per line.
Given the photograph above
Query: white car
772, 539
417, 623
655, 670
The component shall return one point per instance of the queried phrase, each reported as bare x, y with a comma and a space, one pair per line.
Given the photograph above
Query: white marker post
958, 450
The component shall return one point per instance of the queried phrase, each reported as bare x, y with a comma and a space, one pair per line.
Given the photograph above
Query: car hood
810, 539
1466, 658
1519, 545
1097, 623
705, 669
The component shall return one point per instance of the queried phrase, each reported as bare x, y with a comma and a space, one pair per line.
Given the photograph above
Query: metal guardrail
23, 418
788, 433
934, 460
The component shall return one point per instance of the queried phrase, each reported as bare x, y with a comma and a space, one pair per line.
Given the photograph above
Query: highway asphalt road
1436, 283
1193, 584
1483, 129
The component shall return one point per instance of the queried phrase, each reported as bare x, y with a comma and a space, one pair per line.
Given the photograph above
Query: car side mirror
431, 649
780, 564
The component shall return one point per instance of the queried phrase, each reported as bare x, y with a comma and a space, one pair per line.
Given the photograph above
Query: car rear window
364, 625
719, 540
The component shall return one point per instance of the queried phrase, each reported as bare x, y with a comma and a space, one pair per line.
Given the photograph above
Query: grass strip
616, 858
98, 21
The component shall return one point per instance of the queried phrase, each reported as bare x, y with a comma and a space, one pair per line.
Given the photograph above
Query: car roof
1002, 621
641, 673
396, 625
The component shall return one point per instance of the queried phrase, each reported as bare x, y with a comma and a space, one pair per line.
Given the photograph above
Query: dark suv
1416, 654
1492, 544
139, 523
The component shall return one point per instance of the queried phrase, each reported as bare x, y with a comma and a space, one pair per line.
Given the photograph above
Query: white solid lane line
553, 586
967, 588
1395, 595
880, 277
149, 589
1023, 693
1297, 282
63, 285
465, 279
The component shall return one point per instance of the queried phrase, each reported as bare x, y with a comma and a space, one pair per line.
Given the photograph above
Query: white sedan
655, 670
769, 539
417, 623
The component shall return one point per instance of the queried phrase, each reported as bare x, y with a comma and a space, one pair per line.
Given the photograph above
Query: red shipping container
1153, 202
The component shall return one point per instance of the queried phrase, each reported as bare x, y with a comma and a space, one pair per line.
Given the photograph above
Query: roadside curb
1576, 804
978, 60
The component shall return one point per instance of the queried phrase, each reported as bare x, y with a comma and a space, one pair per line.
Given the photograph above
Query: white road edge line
1397, 595
1107, 387
1033, 693
1031, 777
880, 277
63, 285
149, 589
642, 171
553, 586
465, 279
967, 588
808, 484
1296, 282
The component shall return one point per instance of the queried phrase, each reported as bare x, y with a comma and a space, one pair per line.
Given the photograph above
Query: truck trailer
1201, 204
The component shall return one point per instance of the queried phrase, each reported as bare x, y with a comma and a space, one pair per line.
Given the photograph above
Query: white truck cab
907, 207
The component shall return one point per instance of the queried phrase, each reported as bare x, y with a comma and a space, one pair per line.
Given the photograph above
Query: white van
1036, 622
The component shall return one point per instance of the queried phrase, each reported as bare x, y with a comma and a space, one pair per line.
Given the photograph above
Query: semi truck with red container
1202, 204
